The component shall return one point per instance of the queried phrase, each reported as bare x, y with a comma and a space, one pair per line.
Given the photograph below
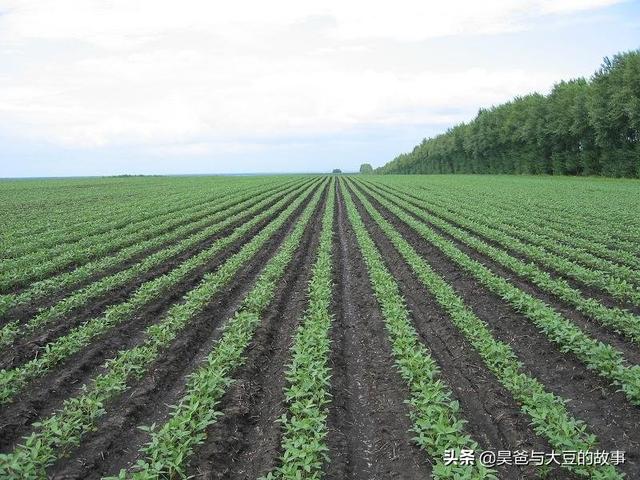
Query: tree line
583, 127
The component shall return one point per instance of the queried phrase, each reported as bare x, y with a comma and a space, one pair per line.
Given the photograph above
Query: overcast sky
96, 87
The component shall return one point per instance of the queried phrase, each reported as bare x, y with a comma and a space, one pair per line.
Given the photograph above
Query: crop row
172, 443
219, 222
617, 287
30, 268
63, 224
619, 320
110, 218
103, 215
579, 209
434, 413
64, 429
597, 356
303, 445
28, 255
519, 225
12, 381
547, 412
579, 212
57, 283
512, 214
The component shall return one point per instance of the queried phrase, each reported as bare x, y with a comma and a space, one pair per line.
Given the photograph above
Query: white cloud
157, 73
199, 149
112, 23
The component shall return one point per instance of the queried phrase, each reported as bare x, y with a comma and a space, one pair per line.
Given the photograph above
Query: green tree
589, 127
366, 168
614, 111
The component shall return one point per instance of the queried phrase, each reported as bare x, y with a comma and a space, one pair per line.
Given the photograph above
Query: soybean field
310, 326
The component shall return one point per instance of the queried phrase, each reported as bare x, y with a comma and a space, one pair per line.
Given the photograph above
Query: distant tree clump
583, 127
366, 168
337, 170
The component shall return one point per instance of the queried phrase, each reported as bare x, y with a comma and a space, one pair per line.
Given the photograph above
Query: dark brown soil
594, 329
245, 442
368, 421
45, 395
25, 312
116, 442
494, 417
590, 397
587, 290
28, 347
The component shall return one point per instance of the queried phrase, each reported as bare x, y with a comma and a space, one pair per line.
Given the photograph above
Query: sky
103, 87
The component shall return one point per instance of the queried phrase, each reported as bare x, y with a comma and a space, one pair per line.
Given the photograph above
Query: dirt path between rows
26, 347
368, 421
116, 443
245, 442
604, 334
494, 417
45, 395
587, 290
609, 415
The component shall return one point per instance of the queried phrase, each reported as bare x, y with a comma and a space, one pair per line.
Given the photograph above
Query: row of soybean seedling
13, 380
64, 429
547, 412
436, 422
619, 320
620, 281
304, 449
35, 267
191, 235
172, 443
547, 234
596, 355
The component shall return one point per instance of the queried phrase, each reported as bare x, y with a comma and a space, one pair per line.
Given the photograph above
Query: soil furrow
587, 290
590, 326
116, 442
28, 347
590, 397
368, 421
46, 394
245, 442
494, 417
23, 313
